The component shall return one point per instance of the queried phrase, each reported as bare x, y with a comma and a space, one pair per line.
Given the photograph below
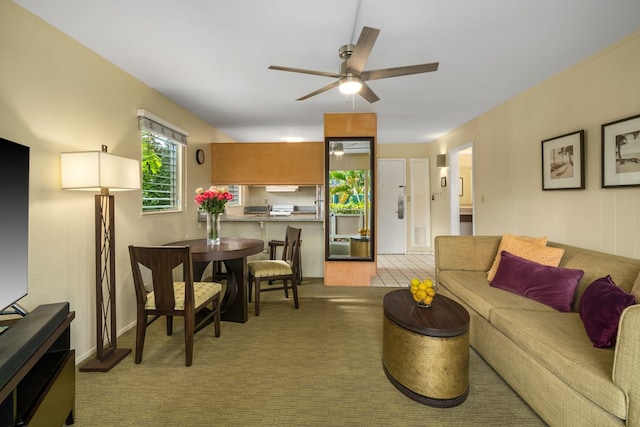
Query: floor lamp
99, 171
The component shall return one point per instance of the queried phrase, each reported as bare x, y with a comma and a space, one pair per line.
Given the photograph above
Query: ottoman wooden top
445, 317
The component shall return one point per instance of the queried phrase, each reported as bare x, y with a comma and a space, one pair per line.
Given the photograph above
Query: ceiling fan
352, 77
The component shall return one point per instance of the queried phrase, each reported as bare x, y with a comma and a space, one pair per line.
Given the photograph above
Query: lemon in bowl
423, 291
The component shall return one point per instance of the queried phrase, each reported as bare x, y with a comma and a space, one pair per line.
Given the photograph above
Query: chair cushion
202, 292
267, 268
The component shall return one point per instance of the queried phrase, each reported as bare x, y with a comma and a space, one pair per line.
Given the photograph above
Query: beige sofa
545, 355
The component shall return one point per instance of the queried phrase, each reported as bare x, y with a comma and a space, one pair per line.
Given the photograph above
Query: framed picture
443, 181
563, 162
461, 187
621, 153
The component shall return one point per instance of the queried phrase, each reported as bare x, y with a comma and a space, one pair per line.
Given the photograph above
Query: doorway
462, 206
391, 206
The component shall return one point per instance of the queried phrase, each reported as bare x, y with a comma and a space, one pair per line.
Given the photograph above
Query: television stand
14, 309
37, 368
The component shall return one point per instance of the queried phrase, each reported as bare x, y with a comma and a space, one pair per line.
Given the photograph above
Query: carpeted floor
316, 366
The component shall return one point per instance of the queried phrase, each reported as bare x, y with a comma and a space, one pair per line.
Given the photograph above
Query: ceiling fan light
350, 85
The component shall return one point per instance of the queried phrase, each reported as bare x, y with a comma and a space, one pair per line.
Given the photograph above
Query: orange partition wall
351, 273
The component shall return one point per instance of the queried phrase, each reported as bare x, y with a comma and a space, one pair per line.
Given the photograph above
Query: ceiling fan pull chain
350, 99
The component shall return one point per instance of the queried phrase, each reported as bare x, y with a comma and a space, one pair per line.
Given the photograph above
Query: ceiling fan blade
360, 54
398, 71
368, 94
324, 89
300, 70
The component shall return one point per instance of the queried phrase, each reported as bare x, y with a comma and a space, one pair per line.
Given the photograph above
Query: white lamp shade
350, 85
96, 170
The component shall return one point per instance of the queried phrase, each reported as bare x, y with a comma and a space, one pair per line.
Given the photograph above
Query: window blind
159, 127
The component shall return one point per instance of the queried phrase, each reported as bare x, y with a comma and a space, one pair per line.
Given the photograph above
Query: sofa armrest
470, 253
626, 364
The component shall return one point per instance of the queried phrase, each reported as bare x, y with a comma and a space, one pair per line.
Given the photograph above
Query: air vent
281, 188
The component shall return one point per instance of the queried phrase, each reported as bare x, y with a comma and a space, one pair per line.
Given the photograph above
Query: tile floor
398, 270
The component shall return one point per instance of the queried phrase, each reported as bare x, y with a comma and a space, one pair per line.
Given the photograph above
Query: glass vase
213, 228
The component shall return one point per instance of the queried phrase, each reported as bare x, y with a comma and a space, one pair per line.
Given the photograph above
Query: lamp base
107, 362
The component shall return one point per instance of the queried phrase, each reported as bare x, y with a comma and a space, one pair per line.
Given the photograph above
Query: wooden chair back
162, 262
291, 249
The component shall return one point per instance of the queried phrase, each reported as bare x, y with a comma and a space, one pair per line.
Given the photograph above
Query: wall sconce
100, 172
441, 160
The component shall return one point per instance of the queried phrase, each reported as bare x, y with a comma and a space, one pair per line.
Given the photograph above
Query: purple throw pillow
601, 306
552, 286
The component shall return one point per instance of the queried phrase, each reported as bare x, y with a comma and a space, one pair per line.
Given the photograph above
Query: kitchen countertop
265, 218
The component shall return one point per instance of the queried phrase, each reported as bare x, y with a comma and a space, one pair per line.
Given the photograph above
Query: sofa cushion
533, 249
473, 289
549, 285
635, 289
601, 306
558, 341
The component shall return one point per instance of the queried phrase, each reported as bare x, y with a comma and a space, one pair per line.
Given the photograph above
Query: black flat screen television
14, 222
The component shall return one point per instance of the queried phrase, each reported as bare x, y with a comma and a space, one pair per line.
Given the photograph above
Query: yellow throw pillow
530, 248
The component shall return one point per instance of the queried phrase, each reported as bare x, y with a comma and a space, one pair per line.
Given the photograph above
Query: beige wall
55, 96
507, 157
465, 199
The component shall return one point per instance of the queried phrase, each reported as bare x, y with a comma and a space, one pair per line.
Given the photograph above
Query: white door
391, 206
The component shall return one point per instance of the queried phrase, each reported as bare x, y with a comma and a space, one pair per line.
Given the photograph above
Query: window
235, 192
160, 165
162, 149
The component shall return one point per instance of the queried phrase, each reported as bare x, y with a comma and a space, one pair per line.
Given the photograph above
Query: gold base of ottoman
430, 370
436, 403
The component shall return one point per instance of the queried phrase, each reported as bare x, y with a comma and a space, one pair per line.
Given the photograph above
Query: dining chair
274, 244
285, 269
170, 298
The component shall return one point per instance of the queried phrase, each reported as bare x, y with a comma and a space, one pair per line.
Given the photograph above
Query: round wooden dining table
233, 252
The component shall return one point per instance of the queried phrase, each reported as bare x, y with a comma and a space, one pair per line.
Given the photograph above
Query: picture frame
563, 162
621, 153
443, 181
461, 187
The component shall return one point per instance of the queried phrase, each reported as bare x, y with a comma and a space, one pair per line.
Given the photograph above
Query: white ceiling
212, 56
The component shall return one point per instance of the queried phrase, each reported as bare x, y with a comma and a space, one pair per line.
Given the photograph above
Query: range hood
281, 188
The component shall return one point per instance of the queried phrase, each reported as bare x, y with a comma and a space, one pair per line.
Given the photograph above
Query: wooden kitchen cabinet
350, 125
272, 163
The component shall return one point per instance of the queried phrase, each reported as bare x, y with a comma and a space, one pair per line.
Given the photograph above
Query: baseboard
92, 351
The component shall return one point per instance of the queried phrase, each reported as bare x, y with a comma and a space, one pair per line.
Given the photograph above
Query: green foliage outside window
347, 190
159, 173
151, 161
